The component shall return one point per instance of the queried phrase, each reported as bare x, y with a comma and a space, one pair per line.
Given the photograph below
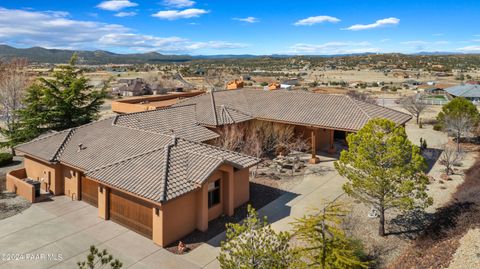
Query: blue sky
243, 27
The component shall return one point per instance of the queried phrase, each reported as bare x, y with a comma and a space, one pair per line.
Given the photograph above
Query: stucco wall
50, 175
71, 179
241, 187
16, 185
177, 219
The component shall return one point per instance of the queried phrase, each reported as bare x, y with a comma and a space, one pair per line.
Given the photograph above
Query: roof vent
80, 147
174, 137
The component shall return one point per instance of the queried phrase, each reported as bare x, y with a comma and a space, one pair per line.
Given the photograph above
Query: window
214, 193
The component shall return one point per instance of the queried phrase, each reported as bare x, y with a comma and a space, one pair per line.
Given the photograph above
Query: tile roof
296, 107
46, 147
169, 171
135, 160
180, 120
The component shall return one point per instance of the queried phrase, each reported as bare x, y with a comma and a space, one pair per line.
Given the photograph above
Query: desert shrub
5, 158
437, 127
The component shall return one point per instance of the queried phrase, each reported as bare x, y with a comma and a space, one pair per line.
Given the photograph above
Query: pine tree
254, 244
384, 169
56, 104
325, 244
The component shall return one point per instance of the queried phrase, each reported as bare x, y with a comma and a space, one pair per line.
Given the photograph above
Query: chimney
80, 147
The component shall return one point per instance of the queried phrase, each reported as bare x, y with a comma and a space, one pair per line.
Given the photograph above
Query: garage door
90, 191
131, 212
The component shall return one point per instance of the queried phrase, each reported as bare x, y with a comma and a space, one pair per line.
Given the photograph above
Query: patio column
332, 149
103, 206
314, 159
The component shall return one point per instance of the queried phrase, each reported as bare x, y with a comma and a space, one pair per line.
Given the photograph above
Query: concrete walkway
304, 198
65, 229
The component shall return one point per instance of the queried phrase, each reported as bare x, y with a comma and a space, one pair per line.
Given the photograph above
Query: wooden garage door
90, 191
131, 212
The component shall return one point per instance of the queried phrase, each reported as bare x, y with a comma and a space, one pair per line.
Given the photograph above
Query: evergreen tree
254, 244
325, 244
384, 169
56, 104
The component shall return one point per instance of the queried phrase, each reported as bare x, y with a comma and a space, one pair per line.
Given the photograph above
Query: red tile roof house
155, 171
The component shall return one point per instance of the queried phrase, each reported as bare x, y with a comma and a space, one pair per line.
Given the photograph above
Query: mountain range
97, 57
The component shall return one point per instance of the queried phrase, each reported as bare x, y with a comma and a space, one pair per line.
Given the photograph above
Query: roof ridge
42, 138
225, 111
361, 109
124, 160
218, 148
214, 107
166, 160
63, 144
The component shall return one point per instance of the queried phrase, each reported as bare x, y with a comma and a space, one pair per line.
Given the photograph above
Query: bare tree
450, 156
361, 96
216, 79
13, 82
413, 106
231, 137
458, 125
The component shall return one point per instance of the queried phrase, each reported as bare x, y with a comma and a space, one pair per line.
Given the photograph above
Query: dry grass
439, 241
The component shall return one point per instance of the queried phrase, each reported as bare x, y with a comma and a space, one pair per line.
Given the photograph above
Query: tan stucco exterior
150, 102
71, 178
50, 175
16, 185
170, 223
171, 220
103, 196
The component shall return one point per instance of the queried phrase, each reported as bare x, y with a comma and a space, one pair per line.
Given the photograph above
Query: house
234, 85
156, 171
148, 171
132, 87
468, 91
272, 86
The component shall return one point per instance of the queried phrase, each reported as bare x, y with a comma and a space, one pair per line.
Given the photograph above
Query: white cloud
23, 28
330, 48
180, 14
247, 19
116, 5
377, 24
470, 49
178, 3
125, 14
439, 34
315, 20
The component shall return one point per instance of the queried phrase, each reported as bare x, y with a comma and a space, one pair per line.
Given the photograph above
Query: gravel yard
11, 204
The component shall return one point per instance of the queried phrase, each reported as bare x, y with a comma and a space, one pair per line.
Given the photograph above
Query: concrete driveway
62, 229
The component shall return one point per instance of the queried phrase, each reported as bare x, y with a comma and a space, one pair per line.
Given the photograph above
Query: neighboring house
468, 91
156, 173
234, 85
132, 87
292, 82
272, 86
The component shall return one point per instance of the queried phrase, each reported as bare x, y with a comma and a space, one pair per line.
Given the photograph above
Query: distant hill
42, 55
55, 56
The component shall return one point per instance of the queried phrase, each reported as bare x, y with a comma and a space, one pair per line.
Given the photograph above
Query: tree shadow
431, 156
434, 226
